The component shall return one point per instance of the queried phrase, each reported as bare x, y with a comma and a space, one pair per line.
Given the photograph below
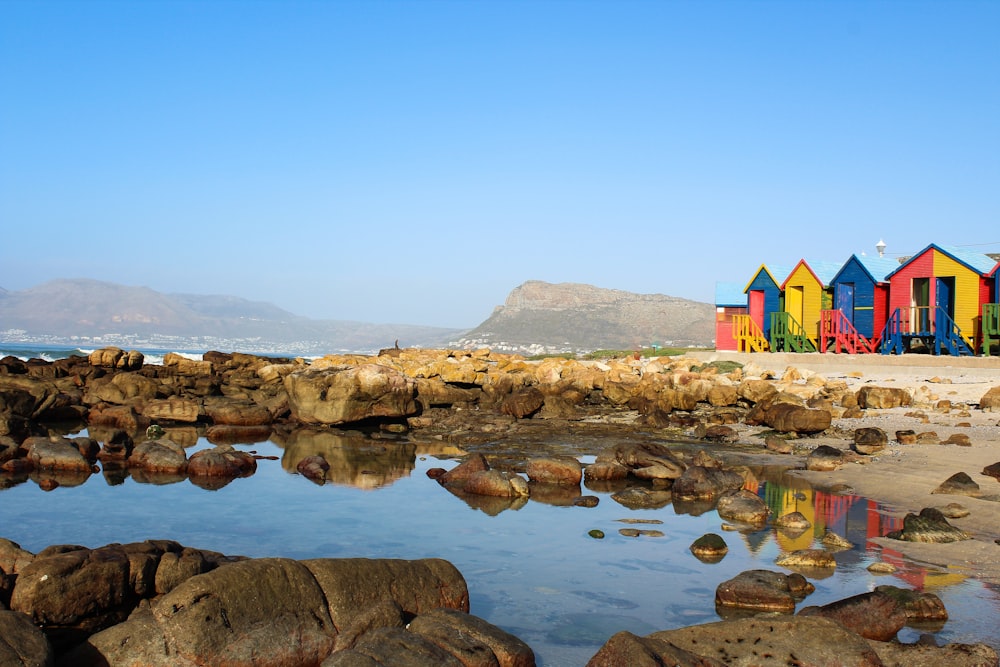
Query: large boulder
551, 470
344, 395
883, 398
787, 417
872, 615
61, 454
22, 644
173, 409
869, 440
221, 461
928, 526
161, 455
743, 506
990, 402
785, 640
762, 590
231, 412
276, 611
699, 482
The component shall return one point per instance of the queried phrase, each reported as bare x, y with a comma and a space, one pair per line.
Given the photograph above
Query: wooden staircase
948, 337
749, 337
788, 335
939, 332
836, 330
991, 326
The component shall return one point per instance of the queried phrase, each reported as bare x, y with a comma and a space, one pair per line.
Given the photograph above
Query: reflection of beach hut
752, 331
936, 299
730, 301
796, 327
860, 305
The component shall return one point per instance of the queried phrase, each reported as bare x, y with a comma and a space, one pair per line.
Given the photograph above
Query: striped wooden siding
900, 293
967, 296
808, 311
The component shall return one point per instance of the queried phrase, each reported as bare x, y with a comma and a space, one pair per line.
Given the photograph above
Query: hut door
844, 299
756, 303
795, 303
944, 293
920, 302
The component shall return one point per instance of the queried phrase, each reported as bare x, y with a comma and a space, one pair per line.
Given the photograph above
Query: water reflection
527, 560
354, 460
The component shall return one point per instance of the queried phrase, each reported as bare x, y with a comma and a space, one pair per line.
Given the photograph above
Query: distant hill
536, 317
544, 317
92, 313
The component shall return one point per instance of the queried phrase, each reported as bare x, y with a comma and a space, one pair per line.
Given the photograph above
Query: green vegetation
644, 352
722, 367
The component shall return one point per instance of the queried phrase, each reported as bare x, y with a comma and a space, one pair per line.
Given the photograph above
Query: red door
756, 303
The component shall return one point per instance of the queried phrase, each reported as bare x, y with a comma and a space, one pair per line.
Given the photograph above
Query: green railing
990, 327
788, 335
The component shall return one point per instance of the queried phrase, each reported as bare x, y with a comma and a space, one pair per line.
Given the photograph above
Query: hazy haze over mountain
536, 317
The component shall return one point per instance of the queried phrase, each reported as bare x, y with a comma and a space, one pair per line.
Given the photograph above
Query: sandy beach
904, 477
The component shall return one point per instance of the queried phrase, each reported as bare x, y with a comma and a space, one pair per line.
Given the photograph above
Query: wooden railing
838, 330
990, 327
749, 337
788, 335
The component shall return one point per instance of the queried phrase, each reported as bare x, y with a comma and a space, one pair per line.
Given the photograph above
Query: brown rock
744, 507
494, 483
564, 470
787, 640
990, 402
762, 590
906, 437
960, 439
472, 639
875, 615
698, 482
349, 394
919, 606
929, 526
173, 409
807, 558
883, 398
625, 648
221, 461
62, 454
824, 458
523, 402
959, 484
315, 467
23, 644
162, 455
869, 440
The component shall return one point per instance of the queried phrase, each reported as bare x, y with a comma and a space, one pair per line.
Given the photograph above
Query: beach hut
936, 301
796, 327
860, 305
730, 301
991, 314
763, 298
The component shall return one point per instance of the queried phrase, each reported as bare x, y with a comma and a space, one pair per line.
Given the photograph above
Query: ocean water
532, 567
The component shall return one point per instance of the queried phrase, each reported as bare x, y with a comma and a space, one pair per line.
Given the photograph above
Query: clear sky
412, 162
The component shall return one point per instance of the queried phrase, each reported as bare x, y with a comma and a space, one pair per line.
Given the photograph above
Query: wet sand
903, 477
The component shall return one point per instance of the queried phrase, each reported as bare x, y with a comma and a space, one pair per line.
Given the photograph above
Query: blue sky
412, 162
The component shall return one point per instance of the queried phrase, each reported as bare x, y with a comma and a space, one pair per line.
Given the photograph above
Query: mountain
536, 317
91, 313
545, 317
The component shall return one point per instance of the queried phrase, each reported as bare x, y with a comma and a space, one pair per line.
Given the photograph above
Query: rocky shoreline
842, 427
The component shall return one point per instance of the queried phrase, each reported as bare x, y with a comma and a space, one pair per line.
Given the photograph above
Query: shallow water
532, 568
